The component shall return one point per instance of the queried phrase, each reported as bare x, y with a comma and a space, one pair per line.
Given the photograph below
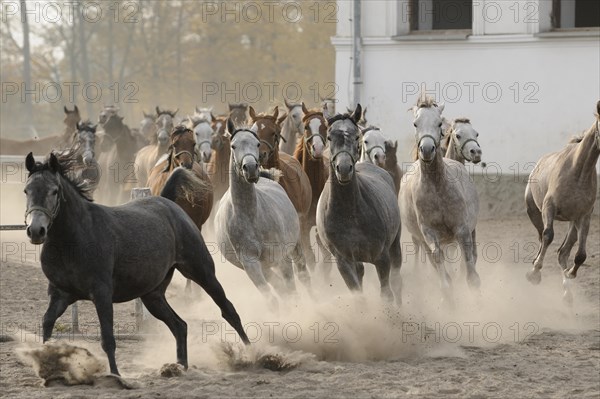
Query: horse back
295, 182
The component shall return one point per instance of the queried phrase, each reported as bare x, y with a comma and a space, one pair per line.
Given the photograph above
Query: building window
427, 15
568, 14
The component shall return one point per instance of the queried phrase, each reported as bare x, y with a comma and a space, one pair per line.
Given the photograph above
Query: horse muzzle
475, 155
250, 172
38, 229
344, 173
88, 158
379, 160
427, 152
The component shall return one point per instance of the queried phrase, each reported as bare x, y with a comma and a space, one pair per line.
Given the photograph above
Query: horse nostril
350, 167
28, 232
42, 232
245, 168
472, 151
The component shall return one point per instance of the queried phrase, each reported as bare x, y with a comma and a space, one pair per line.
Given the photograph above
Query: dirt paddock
510, 340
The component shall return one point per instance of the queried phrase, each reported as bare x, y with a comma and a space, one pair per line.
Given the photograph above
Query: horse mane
196, 120
167, 112
68, 167
425, 101
184, 183
264, 115
271, 174
311, 113
340, 117
179, 130
299, 150
576, 139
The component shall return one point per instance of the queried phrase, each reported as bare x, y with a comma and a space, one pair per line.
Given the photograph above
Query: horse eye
477, 135
366, 142
328, 138
54, 192
414, 124
458, 136
232, 147
257, 145
440, 125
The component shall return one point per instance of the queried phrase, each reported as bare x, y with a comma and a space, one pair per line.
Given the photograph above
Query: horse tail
183, 183
271, 174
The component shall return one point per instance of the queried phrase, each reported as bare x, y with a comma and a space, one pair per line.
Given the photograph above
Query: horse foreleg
580, 256
383, 267
254, 270
436, 257
348, 270
158, 307
59, 302
396, 264
534, 275
104, 309
300, 263
466, 243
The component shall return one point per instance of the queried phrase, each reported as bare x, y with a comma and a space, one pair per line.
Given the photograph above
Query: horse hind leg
535, 276
534, 213
158, 307
309, 255
580, 256
213, 288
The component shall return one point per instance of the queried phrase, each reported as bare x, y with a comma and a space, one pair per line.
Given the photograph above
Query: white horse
256, 222
461, 142
203, 132
204, 113
438, 201
373, 146
292, 128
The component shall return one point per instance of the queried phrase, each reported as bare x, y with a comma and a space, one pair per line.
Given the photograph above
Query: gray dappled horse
358, 218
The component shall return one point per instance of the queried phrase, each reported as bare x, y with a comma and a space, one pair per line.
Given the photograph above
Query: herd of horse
265, 180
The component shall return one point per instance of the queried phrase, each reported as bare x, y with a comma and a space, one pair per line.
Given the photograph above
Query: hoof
534, 276
474, 281
571, 273
568, 298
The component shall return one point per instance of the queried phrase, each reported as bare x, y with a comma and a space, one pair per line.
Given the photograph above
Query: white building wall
526, 95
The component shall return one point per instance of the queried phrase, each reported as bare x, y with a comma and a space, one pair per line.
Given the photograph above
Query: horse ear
288, 105
441, 107
281, 119
175, 113
53, 163
230, 126
230, 106
356, 115
252, 113
276, 112
395, 144
157, 110
304, 109
364, 114
598, 107
212, 117
197, 109
30, 162
66, 110
76, 109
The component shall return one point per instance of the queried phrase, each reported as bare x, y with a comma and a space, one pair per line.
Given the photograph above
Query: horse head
344, 138
245, 146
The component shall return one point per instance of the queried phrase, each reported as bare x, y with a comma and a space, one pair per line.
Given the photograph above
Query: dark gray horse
114, 254
358, 218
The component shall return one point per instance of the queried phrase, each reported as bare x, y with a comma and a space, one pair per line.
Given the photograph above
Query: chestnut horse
46, 144
294, 180
391, 163
218, 167
195, 193
309, 152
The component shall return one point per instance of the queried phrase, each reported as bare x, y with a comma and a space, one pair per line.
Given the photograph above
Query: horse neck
73, 210
343, 197
452, 153
435, 170
243, 194
313, 167
222, 156
363, 155
273, 161
586, 154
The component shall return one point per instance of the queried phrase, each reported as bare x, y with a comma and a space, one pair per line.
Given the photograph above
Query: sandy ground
510, 340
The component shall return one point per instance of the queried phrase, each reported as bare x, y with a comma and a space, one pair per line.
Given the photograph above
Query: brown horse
237, 113
44, 145
391, 163
293, 180
309, 152
190, 186
218, 167
147, 157
562, 187
116, 153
